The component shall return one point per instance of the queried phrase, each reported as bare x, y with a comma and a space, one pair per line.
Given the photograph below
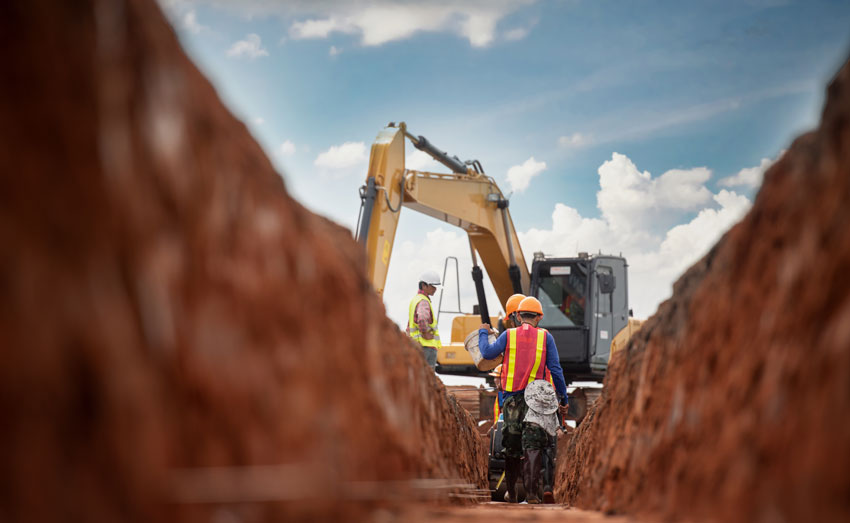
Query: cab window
562, 292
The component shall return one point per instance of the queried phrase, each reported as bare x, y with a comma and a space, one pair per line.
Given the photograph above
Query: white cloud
683, 188
699, 234
190, 23
655, 258
381, 21
345, 156
517, 33
251, 47
479, 27
259, 120
630, 199
420, 161
625, 191
334, 51
749, 177
519, 176
574, 140
287, 148
317, 28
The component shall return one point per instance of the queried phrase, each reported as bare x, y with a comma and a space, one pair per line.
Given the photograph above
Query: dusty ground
495, 512
732, 402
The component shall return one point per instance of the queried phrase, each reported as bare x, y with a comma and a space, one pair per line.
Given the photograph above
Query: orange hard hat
530, 304
513, 303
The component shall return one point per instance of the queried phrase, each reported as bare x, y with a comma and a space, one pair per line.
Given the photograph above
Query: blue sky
687, 94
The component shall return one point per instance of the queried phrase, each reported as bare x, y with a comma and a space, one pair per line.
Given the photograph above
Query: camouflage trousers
430, 354
517, 435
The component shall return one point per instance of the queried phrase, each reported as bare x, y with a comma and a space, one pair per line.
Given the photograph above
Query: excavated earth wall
182, 340
733, 402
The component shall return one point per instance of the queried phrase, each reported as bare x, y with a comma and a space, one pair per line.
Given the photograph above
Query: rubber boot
512, 468
531, 474
549, 475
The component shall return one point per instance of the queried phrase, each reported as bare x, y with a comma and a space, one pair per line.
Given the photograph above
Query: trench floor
496, 512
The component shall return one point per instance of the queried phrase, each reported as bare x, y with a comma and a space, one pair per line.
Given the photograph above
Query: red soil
733, 403
180, 337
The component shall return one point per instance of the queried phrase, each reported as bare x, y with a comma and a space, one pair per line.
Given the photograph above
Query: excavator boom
469, 200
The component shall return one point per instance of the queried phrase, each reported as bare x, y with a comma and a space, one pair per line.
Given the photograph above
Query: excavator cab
585, 303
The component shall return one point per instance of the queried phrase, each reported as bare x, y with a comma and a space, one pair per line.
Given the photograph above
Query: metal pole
511, 255
368, 205
478, 278
513, 268
452, 162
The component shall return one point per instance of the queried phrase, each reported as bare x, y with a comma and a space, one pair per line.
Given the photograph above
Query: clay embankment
733, 403
180, 337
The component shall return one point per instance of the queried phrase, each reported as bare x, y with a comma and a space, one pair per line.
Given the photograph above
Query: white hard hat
430, 277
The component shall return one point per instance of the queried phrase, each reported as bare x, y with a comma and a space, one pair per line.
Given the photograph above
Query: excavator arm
465, 198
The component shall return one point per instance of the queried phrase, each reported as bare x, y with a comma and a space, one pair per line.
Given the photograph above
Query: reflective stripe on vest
508, 364
524, 358
413, 327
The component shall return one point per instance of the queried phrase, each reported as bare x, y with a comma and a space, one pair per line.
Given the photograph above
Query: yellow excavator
584, 298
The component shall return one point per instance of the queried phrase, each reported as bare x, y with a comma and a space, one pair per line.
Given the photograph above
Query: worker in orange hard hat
511, 320
530, 354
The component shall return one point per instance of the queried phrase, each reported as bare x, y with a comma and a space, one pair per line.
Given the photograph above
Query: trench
186, 342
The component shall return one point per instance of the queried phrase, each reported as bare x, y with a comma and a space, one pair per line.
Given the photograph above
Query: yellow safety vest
413, 328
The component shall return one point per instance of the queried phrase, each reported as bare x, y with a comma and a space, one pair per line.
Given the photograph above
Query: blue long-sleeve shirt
553, 360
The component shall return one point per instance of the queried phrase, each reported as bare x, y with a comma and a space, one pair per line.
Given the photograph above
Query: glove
563, 409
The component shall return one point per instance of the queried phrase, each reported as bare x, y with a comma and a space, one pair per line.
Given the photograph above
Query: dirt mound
181, 340
732, 403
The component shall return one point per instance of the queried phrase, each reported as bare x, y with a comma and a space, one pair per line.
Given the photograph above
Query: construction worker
511, 319
529, 353
421, 320
573, 303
